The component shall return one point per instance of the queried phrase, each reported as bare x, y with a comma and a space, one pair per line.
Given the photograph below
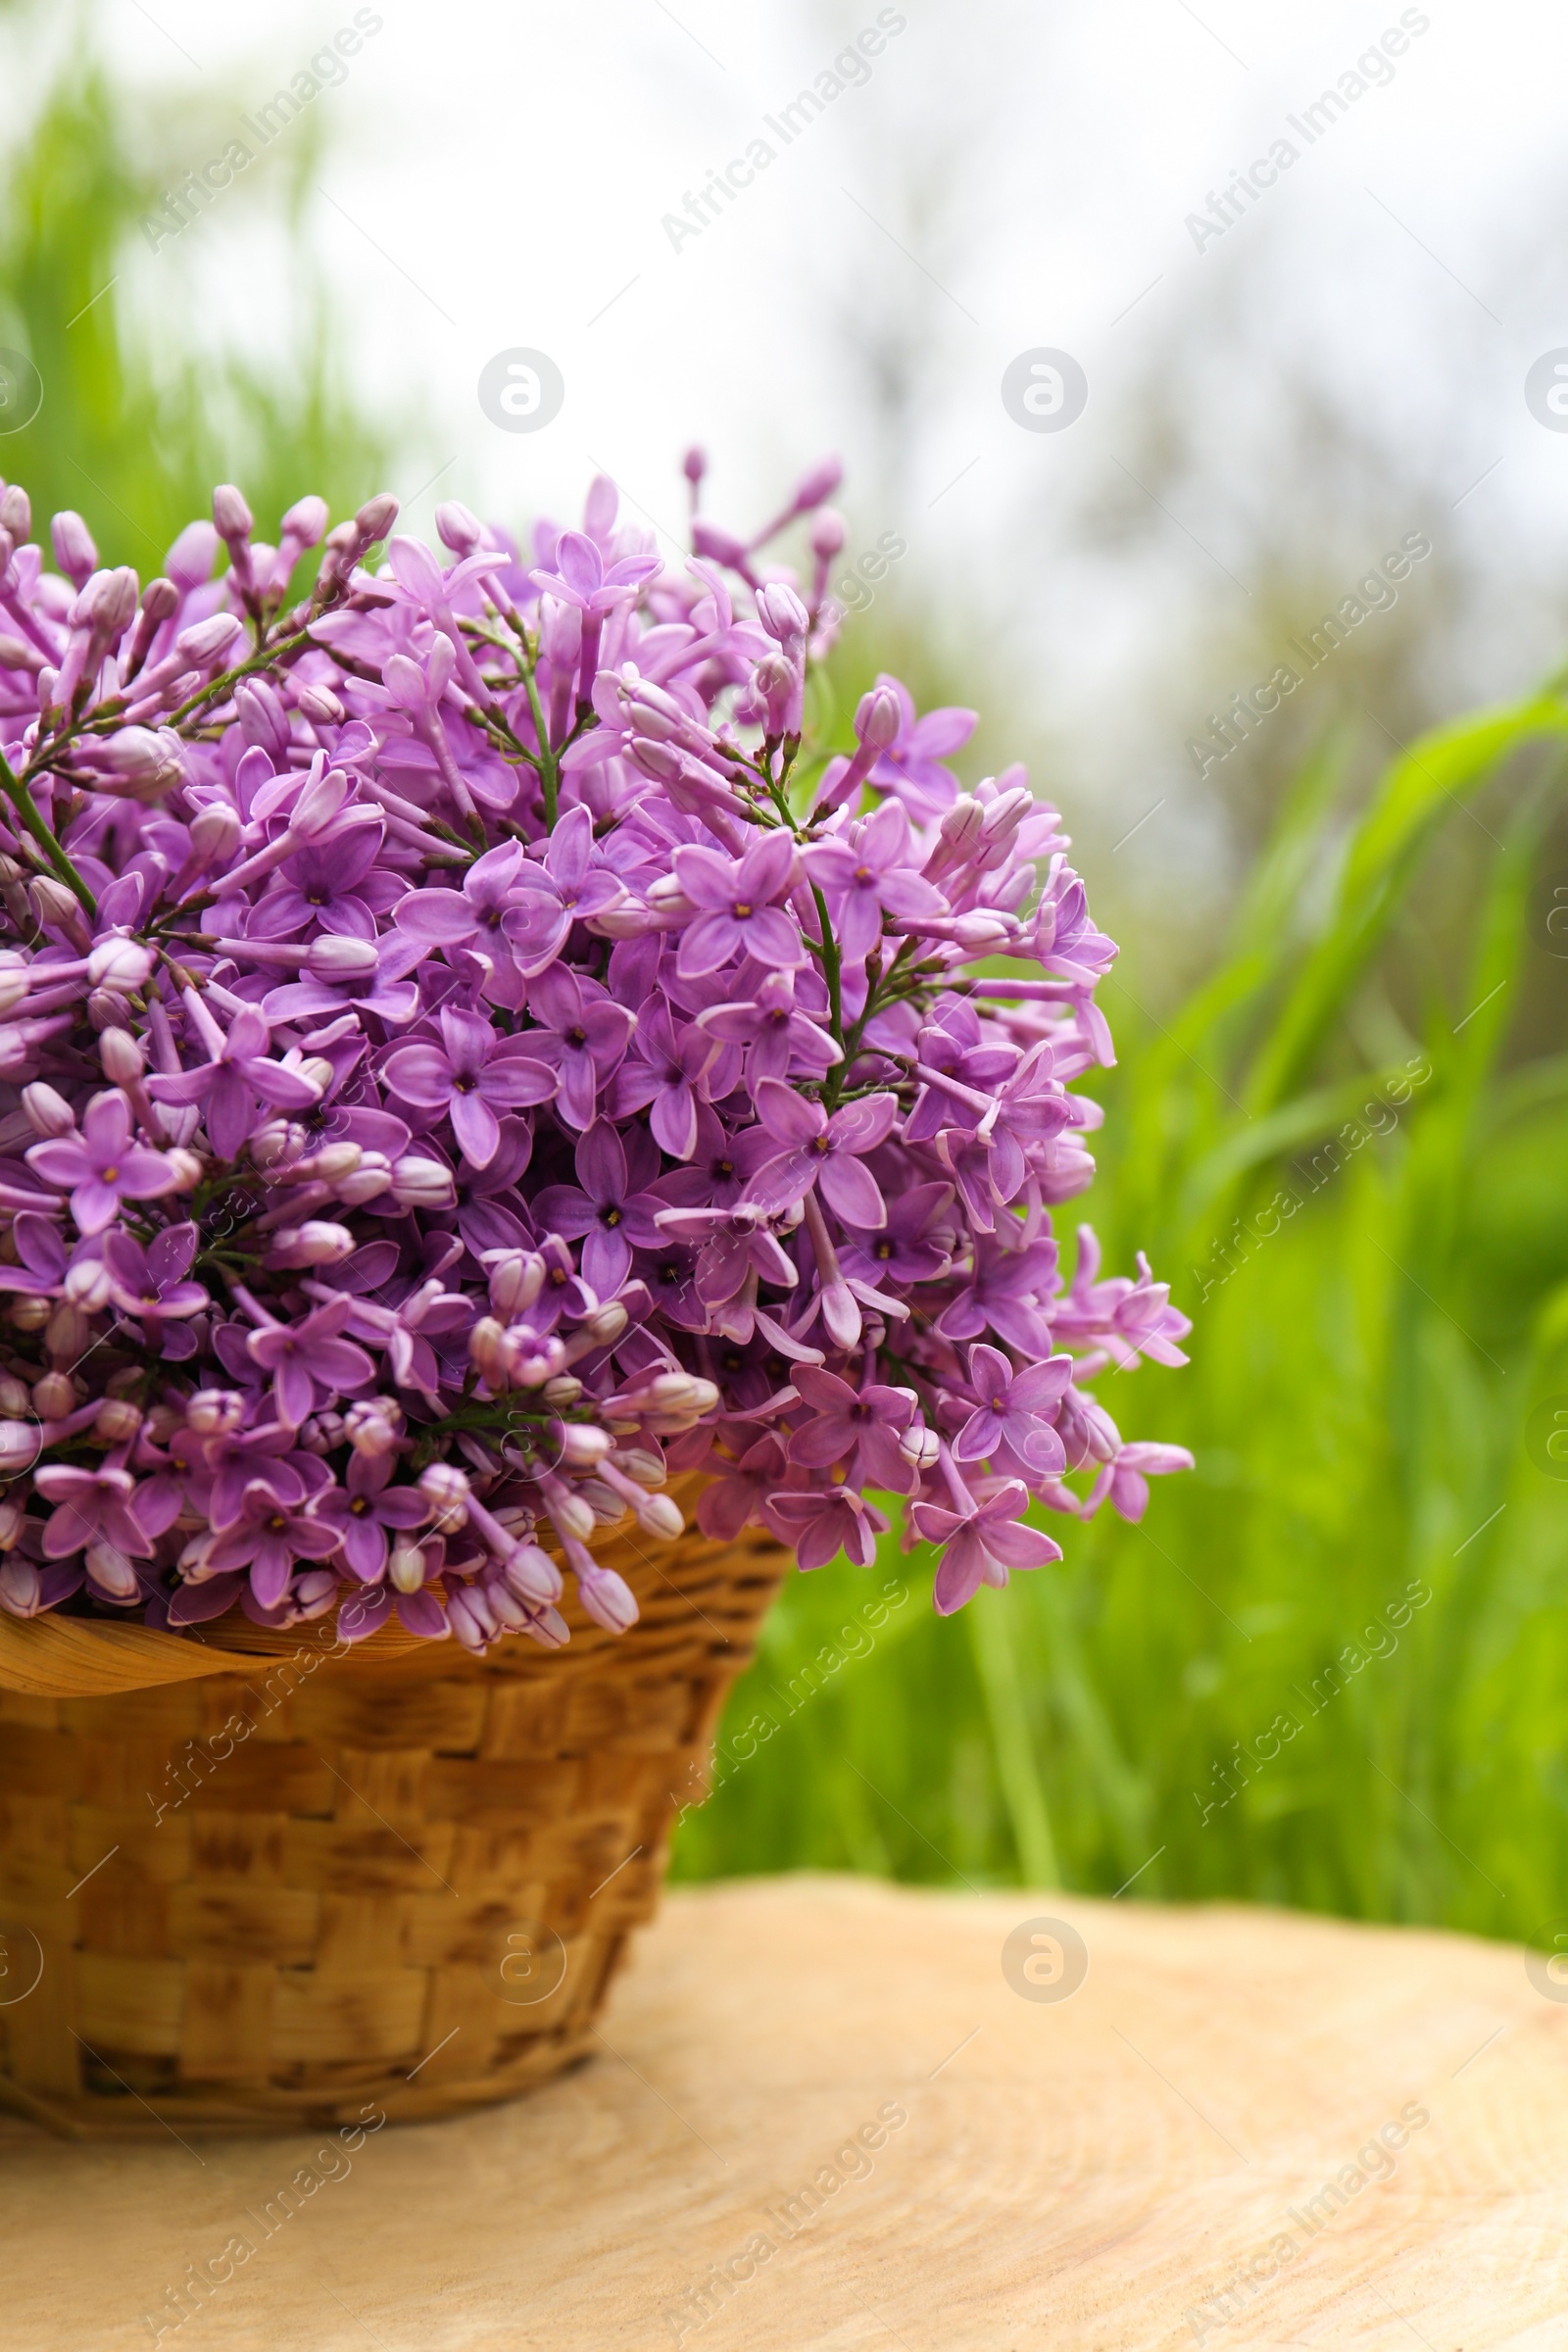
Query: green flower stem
26, 808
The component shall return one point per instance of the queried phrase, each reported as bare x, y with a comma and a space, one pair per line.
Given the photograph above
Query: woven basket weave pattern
365, 1899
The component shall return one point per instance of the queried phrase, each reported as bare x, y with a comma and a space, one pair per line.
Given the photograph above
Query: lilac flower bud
12, 1520
313, 1595
49, 1113
107, 604
579, 1446
322, 1433
420, 1183
487, 1345
457, 528
53, 1396
232, 518
668, 899
335, 956
121, 1056
368, 1182
531, 1574
74, 551
118, 1421
262, 720
405, 1570
720, 546
15, 1397
572, 1516
607, 1597
21, 1588
643, 1468
202, 646
87, 1285
54, 904
516, 1278
375, 517
371, 1425
320, 705
694, 464
782, 613
318, 804
829, 531
313, 1244
110, 1573
275, 1141
119, 964
879, 718
471, 1619
15, 513
657, 1515
215, 833
142, 764
21, 1442
822, 482
447, 1491
214, 1412
304, 521
920, 1448
564, 1390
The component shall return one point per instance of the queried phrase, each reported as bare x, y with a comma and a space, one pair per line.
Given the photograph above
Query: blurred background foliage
1369, 1372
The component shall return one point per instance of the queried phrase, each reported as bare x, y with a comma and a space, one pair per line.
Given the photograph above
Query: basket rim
91, 1657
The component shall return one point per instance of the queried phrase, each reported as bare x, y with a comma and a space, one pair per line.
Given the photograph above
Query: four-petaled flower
103, 1166
1012, 1426
308, 1356
983, 1542
865, 872
611, 1212
736, 913
238, 1075
266, 1539
821, 1150
365, 1507
846, 1421
473, 1073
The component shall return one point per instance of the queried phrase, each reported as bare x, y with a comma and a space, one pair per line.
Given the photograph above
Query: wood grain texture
1078, 2175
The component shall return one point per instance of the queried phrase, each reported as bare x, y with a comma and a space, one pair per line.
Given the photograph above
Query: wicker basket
406, 1888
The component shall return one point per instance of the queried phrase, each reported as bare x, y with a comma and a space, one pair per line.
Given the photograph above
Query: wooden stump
828, 2112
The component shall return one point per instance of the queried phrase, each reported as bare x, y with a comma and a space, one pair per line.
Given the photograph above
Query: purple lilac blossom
465, 1058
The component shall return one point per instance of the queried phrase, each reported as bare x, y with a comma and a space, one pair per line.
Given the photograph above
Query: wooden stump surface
1243, 2128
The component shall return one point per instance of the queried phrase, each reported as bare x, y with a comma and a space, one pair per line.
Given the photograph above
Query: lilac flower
364, 1508
487, 874
827, 1521
580, 1034
982, 1540
563, 888
661, 1075
822, 1151
104, 1166
91, 1506
736, 913
911, 766
866, 871
308, 1356
607, 1204
864, 1422
471, 1075
237, 1075
268, 1538
1012, 1426
780, 1036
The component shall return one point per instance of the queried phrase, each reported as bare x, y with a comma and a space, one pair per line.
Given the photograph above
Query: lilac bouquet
465, 1057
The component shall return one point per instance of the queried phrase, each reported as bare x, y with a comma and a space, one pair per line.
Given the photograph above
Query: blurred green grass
1363, 1373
